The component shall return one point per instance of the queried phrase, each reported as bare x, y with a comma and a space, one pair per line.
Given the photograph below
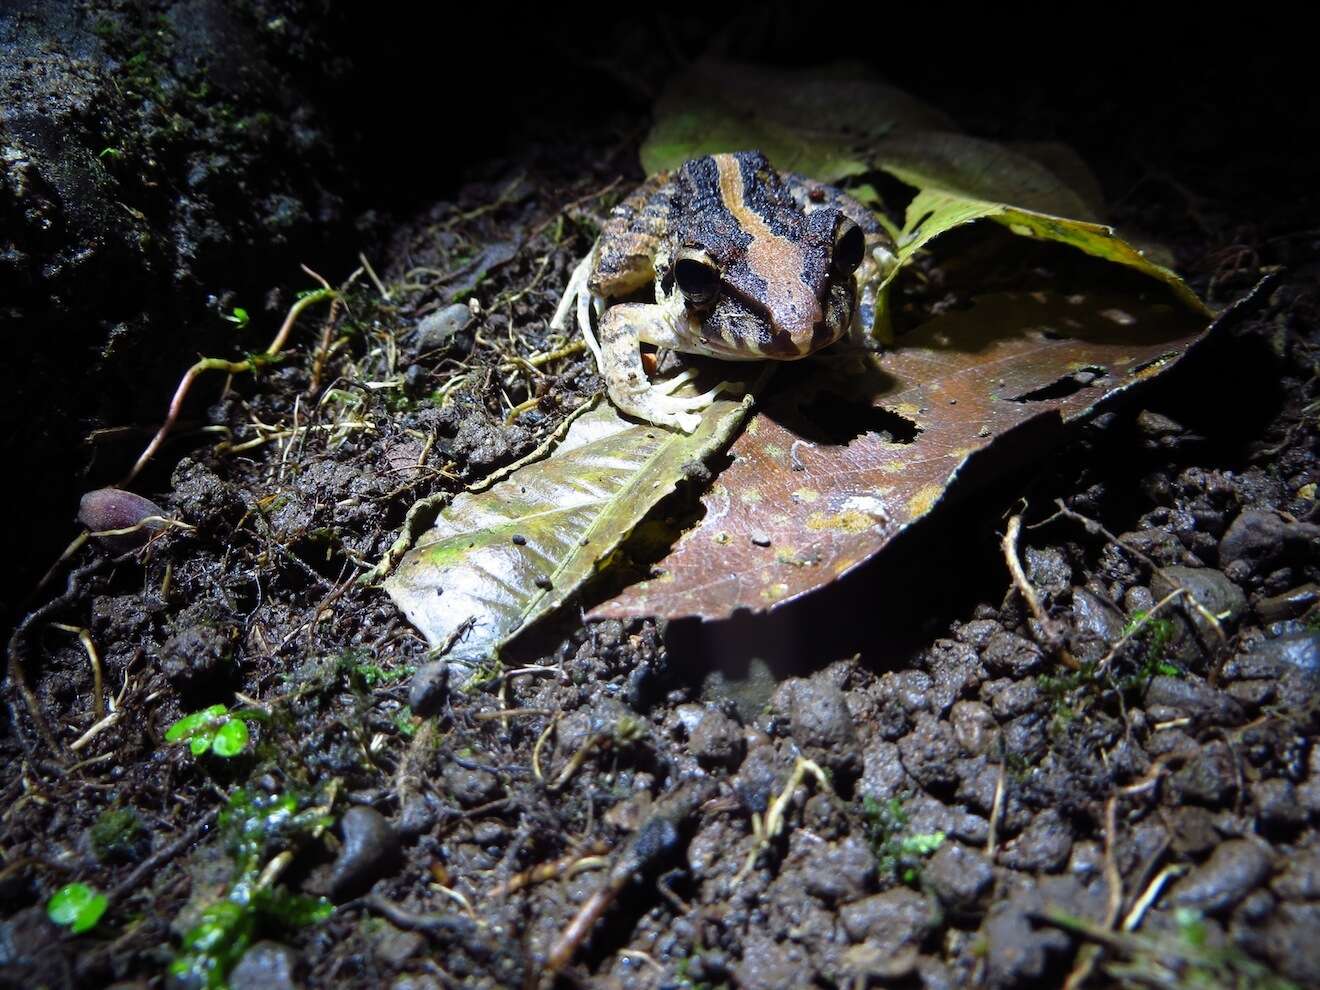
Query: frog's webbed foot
621, 330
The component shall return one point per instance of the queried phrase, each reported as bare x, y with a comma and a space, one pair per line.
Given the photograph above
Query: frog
745, 262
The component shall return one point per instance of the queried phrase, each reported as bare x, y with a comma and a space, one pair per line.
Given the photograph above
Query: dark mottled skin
693, 208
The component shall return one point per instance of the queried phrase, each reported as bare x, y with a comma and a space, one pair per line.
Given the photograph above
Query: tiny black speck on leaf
519, 540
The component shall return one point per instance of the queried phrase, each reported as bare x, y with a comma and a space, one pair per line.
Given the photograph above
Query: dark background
249, 137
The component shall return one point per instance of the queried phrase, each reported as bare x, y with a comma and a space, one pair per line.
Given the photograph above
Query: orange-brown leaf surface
831, 469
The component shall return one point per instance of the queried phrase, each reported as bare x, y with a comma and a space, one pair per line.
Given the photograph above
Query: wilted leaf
830, 471
933, 212
496, 560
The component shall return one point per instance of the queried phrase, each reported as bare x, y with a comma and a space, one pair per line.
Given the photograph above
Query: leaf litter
983, 386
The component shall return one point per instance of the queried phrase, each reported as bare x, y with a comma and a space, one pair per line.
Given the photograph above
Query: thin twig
18, 644
94, 658
154, 861
1028, 593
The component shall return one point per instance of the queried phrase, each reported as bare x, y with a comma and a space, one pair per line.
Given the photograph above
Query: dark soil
936, 804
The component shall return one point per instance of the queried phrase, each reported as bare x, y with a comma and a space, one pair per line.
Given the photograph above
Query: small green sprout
257, 829
77, 906
110, 152
238, 316
899, 855
217, 729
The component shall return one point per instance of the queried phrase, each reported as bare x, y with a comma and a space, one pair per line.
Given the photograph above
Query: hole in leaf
1065, 386
830, 419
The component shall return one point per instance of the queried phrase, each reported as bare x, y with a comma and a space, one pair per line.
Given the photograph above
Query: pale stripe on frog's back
771, 257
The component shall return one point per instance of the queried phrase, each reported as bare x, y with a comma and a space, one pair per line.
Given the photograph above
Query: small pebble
430, 688
265, 966
1235, 869
760, 539
370, 851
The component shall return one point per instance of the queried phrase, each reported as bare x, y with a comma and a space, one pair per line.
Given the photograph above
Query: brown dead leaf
831, 469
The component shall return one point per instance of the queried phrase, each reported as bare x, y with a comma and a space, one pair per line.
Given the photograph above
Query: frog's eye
697, 276
849, 246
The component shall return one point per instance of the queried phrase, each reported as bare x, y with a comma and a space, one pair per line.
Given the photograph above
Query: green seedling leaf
217, 729
77, 906
189, 725
231, 739
499, 558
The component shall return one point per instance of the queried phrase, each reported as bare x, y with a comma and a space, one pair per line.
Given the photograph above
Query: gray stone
395, 947
883, 776
715, 739
438, 328
1276, 804
929, 752
1209, 778
265, 966
370, 851
1300, 879
820, 723
1258, 541
1212, 590
893, 920
1169, 697
1043, 847
1018, 951
974, 726
1096, 618
1290, 942
1235, 869
429, 688
470, 787
1010, 698
841, 871
1294, 651
1010, 655
959, 876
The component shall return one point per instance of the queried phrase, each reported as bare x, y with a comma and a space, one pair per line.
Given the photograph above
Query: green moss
900, 854
255, 827
115, 833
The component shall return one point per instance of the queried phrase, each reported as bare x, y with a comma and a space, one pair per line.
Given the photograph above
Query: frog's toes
670, 385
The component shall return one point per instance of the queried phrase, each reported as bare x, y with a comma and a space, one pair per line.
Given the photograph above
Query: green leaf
189, 724
818, 121
499, 558
837, 123
201, 742
231, 739
934, 212
77, 906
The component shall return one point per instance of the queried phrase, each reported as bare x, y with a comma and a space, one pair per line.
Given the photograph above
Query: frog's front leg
877, 264
623, 328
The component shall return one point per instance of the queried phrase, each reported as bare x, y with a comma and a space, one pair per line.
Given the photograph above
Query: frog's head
759, 275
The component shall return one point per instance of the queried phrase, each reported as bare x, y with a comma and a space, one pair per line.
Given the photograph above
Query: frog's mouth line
837, 302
